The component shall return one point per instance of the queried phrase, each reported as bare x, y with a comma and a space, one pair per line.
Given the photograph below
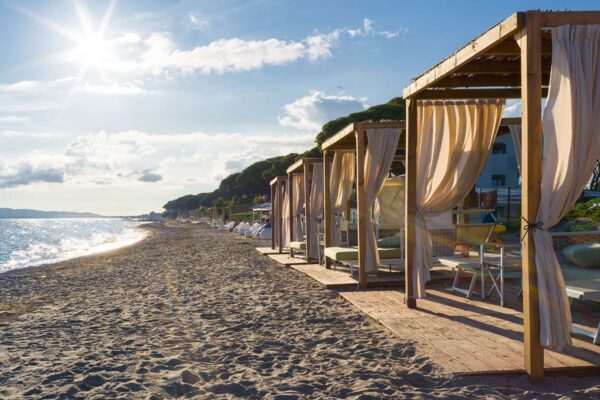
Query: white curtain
341, 182
515, 133
381, 148
315, 209
297, 202
275, 215
389, 206
571, 146
453, 143
285, 216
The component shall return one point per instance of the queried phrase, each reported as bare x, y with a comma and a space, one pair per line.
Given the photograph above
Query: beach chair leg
472, 286
456, 278
597, 335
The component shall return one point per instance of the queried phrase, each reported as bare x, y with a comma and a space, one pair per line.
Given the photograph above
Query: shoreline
143, 228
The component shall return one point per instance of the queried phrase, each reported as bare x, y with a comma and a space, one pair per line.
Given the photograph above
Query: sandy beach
191, 311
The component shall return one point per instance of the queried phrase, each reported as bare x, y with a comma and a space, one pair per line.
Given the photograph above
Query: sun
93, 51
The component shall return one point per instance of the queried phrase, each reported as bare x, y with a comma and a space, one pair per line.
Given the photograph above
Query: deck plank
463, 336
286, 260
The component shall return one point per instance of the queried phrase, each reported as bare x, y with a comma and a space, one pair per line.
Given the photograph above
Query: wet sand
195, 312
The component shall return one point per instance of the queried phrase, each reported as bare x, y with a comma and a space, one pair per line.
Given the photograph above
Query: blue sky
118, 106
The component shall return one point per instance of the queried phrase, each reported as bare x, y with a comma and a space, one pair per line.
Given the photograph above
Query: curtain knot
533, 226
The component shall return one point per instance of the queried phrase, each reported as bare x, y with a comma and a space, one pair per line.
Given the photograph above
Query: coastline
192, 311
110, 247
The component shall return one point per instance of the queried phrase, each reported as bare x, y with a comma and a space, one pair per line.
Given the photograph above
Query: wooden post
327, 203
362, 210
531, 162
280, 195
410, 203
272, 215
292, 211
307, 216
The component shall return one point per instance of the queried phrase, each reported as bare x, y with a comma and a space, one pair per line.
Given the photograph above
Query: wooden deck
341, 278
287, 261
470, 337
266, 250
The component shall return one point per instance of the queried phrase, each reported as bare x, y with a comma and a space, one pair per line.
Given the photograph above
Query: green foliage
242, 216
587, 211
392, 110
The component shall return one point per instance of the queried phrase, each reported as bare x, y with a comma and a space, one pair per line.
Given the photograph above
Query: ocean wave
31, 242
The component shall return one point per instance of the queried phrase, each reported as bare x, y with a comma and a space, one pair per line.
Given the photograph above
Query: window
499, 148
498, 180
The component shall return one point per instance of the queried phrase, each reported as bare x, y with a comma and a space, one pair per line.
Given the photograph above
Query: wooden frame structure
303, 167
353, 138
494, 65
276, 185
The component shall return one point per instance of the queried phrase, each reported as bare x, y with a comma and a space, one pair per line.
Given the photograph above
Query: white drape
297, 202
275, 215
515, 134
285, 216
389, 207
315, 209
381, 148
571, 145
341, 182
454, 140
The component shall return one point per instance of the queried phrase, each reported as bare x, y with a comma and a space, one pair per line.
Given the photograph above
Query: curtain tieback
533, 226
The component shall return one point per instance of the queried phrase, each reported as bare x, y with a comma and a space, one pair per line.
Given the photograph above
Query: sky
116, 107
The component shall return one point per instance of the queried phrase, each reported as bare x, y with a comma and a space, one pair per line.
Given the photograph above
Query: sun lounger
297, 247
585, 291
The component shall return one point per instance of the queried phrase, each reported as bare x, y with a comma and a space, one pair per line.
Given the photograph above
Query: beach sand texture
191, 311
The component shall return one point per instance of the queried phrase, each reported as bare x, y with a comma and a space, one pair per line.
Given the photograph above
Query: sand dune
196, 312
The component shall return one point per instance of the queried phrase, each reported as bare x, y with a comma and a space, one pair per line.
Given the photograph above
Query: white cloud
368, 29
13, 119
198, 23
21, 86
311, 112
134, 158
113, 88
512, 109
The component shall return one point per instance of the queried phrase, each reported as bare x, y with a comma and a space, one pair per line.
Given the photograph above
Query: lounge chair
585, 291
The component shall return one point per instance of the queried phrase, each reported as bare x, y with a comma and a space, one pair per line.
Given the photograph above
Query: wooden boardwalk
469, 336
266, 250
286, 260
341, 278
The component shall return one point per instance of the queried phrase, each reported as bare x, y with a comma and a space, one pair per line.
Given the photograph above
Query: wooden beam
327, 204
272, 218
551, 19
473, 94
497, 67
307, 216
510, 48
489, 39
410, 202
362, 209
345, 137
468, 81
531, 161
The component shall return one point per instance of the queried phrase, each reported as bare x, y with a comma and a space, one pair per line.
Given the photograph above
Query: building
501, 169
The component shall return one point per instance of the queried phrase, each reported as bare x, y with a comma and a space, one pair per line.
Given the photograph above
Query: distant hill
24, 213
242, 187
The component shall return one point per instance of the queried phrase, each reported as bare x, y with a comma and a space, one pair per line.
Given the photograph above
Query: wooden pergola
277, 185
303, 167
354, 138
495, 65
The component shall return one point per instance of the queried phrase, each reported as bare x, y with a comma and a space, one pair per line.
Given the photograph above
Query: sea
30, 242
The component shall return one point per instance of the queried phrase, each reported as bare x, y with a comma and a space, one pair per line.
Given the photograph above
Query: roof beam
555, 18
510, 48
497, 34
497, 67
513, 80
435, 94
